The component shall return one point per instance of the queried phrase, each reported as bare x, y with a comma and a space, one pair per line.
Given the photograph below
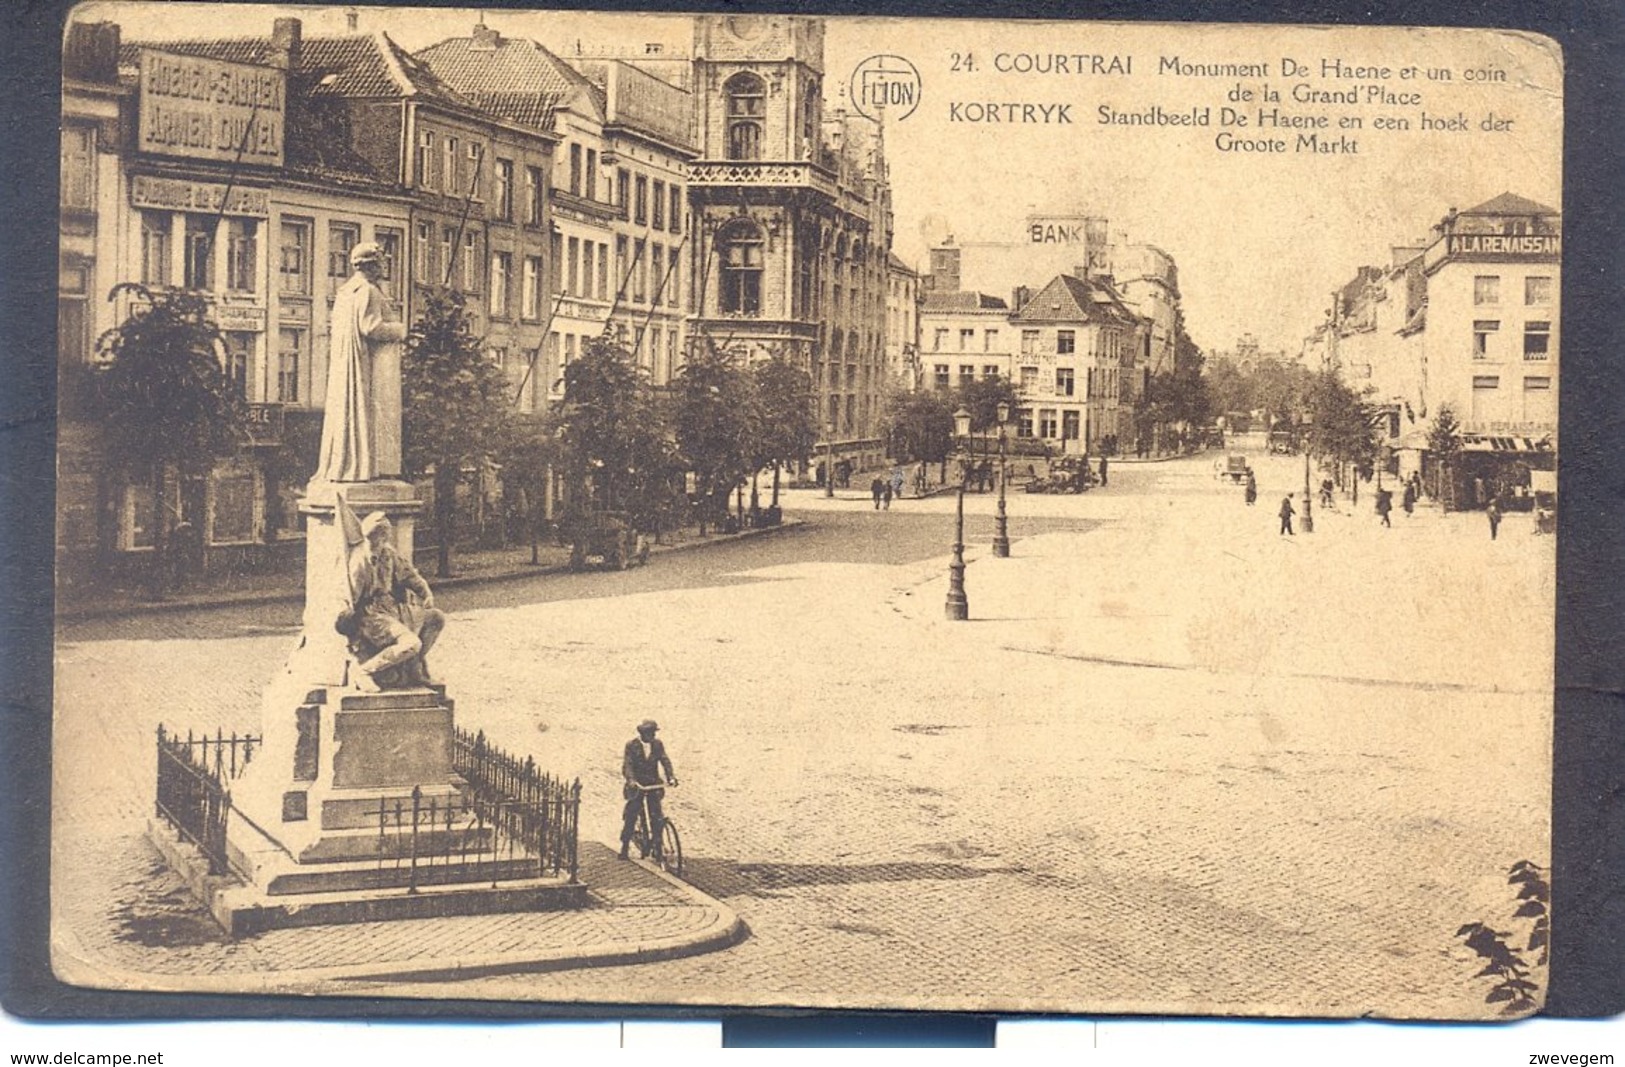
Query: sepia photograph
796, 511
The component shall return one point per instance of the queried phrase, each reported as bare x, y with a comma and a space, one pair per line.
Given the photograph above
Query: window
572, 258
1537, 340
747, 104
658, 221
589, 186
967, 374
472, 186
232, 514
1483, 331
1029, 379
533, 196
238, 355
79, 167
623, 189
575, 170
426, 160
423, 253
1483, 381
741, 253
290, 355
675, 217
1029, 342
504, 190
1537, 290
1066, 342
1070, 425
530, 294
1046, 423
155, 231
939, 339
1487, 289
471, 262
1024, 421
556, 253
1539, 400
586, 268
674, 284
199, 265
501, 271
640, 271
72, 320
242, 258
657, 272
341, 238
293, 259
990, 341
389, 266
569, 349
621, 275
140, 516
640, 201
1064, 381
449, 183
603, 270
967, 340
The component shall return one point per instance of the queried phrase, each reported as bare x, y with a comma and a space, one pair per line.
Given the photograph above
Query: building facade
794, 226
903, 301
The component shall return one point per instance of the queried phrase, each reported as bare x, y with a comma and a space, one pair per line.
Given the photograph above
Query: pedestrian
897, 482
1252, 488
874, 491
641, 763
1408, 501
1494, 512
1385, 504
1287, 511
1103, 471
885, 496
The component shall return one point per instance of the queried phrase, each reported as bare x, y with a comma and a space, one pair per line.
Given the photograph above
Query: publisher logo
886, 86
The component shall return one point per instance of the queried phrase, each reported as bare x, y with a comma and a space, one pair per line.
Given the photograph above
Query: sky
1261, 237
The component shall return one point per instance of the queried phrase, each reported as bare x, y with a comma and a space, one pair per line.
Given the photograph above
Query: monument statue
390, 621
361, 427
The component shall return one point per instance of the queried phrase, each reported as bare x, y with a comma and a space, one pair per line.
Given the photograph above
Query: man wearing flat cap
392, 622
361, 424
645, 758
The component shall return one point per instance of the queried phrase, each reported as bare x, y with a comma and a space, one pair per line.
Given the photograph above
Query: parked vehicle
1236, 466
609, 537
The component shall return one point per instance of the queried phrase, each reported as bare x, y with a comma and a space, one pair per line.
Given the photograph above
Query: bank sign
198, 108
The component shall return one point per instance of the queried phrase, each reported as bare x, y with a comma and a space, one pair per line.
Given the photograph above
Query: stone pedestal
352, 796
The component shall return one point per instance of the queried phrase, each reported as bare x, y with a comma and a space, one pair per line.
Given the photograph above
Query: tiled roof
962, 300
895, 262
368, 66
1510, 204
511, 68
1068, 298
535, 110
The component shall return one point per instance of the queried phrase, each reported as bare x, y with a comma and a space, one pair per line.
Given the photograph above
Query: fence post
417, 807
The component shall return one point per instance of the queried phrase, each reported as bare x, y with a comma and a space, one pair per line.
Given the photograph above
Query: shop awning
1473, 442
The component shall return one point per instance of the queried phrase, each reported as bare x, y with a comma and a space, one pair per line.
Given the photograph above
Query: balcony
789, 175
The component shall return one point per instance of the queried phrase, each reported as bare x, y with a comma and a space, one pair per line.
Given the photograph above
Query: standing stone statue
361, 426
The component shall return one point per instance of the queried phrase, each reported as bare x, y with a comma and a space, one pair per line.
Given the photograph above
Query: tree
1444, 441
789, 428
530, 452
718, 419
455, 407
982, 399
616, 450
163, 401
1341, 428
920, 426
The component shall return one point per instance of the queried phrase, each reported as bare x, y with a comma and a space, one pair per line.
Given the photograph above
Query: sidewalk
472, 567
123, 920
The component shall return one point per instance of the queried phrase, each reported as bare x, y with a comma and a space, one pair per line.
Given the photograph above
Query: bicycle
670, 854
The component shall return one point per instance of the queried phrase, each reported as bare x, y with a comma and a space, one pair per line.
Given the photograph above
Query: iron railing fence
539, 811
194, 787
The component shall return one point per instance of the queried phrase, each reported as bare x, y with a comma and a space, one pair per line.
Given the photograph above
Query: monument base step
478, 869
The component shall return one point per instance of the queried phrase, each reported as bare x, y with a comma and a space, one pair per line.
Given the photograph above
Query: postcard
751, 510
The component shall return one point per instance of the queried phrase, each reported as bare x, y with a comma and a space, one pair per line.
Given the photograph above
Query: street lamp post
829, 459
1001, 530
1308, 496
958, 607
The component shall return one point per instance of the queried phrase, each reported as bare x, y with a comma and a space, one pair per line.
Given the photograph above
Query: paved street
1174, 763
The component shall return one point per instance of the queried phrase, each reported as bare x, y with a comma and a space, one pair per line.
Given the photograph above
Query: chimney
91, 52
485, 39
285, 39
352, 20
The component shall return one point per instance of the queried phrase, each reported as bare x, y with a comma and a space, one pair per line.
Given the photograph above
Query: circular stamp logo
885, 85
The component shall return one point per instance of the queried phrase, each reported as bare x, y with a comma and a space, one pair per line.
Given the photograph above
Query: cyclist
641, 766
